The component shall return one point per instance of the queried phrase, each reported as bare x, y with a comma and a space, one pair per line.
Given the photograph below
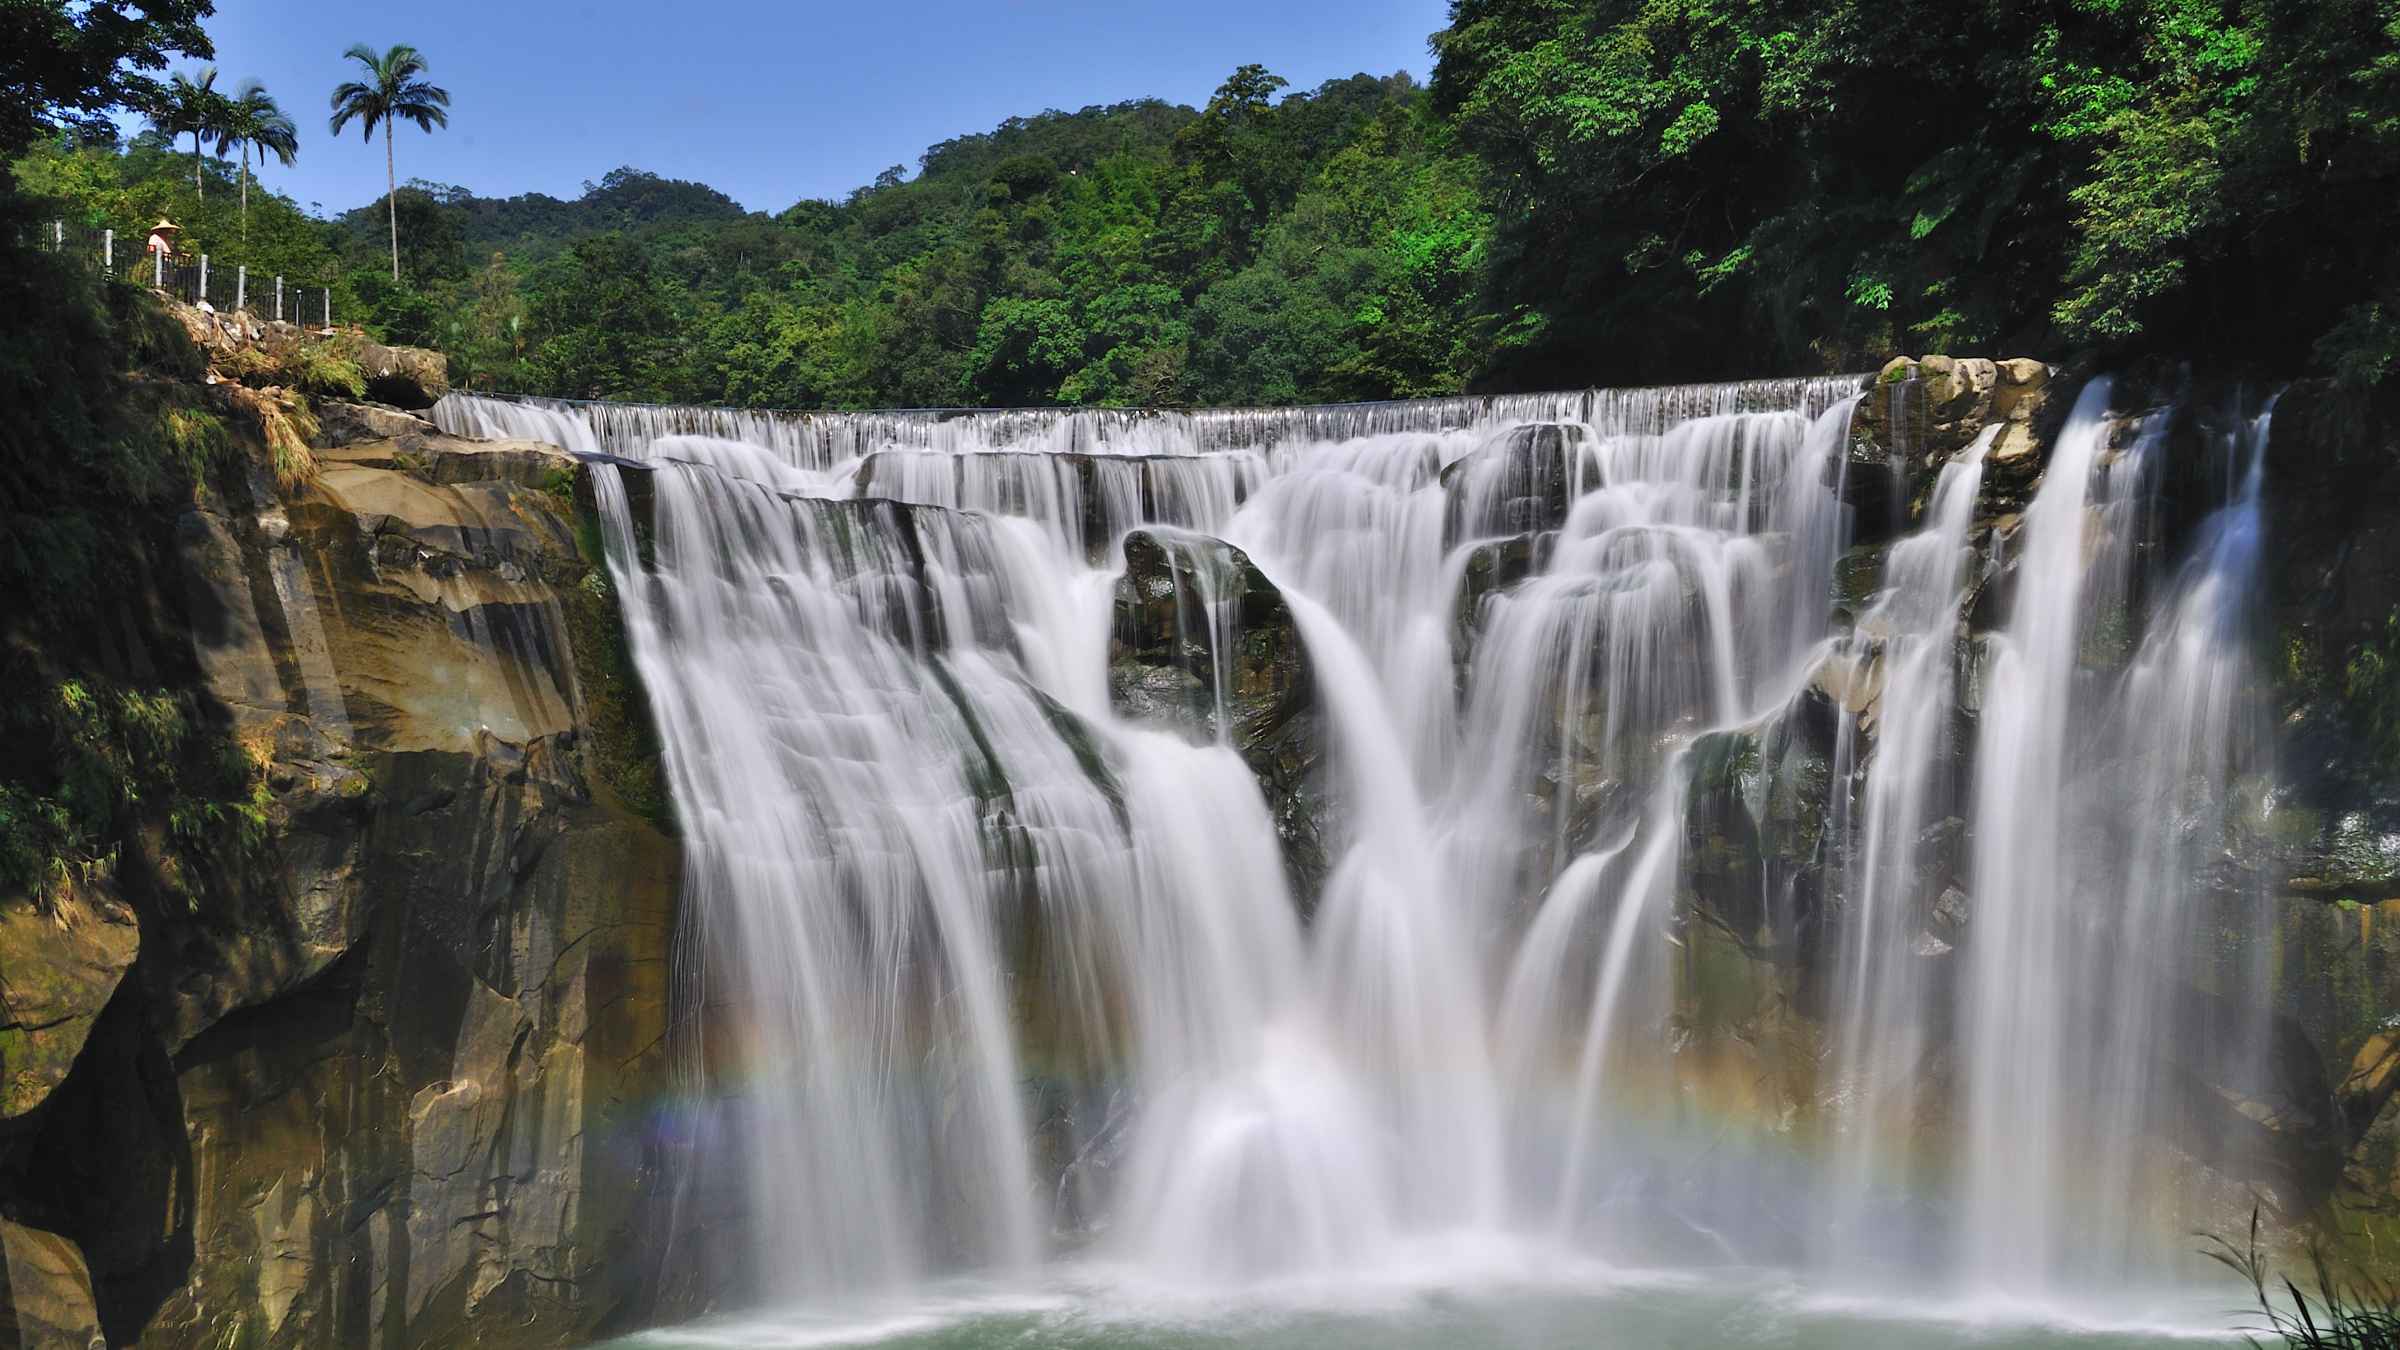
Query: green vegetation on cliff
98, 745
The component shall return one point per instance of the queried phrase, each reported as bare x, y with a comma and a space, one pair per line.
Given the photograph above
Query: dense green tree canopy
1322, 244
70, 63
1590, 191
1835, 179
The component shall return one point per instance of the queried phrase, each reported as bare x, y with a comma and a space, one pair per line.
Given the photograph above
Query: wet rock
1875, 488
1169, 666
1758, 806
2373, 1078
1857, 579
1744, 1050
1524, 482
429, 456
1853, 680
2255, 1101
1491, 569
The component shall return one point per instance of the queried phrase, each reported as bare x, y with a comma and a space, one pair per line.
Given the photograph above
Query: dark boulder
1170, 666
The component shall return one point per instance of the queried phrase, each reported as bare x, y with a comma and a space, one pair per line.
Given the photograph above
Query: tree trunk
197, 190
245, 192
391, 195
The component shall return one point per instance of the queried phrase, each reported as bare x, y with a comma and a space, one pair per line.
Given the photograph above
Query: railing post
108, 252
158, 269
241, 287
58, 236
279, 299
202, 298
329, 307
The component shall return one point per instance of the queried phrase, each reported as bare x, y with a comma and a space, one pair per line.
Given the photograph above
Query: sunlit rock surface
414, 1090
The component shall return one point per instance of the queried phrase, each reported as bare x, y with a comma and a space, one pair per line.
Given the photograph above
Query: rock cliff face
408, 1084
2311, 1123
2329, 846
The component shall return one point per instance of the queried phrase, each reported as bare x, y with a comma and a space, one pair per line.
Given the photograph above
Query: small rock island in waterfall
1728, 676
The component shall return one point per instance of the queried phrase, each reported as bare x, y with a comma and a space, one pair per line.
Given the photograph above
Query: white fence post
158, 268
58, 236
241, 287
202, 298
279, 299
108, 252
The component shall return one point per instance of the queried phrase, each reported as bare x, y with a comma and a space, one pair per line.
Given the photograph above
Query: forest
1583, 193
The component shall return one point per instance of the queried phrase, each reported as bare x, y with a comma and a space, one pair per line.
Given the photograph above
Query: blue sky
768, 102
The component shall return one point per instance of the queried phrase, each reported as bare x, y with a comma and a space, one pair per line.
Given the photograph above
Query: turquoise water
1088, 1310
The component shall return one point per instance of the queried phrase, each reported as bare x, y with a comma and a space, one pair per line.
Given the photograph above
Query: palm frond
403, 63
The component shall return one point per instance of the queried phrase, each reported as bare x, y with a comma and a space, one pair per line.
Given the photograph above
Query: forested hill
1588, 191
1319, 245
1136, 252
450, 226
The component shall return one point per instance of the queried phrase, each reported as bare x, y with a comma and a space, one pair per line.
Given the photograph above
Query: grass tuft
2360, 1316
311, 367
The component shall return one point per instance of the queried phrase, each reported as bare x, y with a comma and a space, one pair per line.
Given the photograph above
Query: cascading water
2091, 833
1900, 666
939, 868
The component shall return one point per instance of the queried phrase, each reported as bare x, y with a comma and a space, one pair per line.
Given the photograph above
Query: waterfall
1001, 965
1900, 670
2101, 794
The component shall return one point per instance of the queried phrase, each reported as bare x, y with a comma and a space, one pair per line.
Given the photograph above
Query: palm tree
192, 105
252, 119
392, 91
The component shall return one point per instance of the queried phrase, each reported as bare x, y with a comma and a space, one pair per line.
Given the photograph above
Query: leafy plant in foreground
2361, 1316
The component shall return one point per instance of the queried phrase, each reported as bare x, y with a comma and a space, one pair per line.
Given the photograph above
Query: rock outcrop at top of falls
1921, 411
401, 1087
332, 360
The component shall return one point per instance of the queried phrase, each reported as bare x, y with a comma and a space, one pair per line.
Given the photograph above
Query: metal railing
195, 279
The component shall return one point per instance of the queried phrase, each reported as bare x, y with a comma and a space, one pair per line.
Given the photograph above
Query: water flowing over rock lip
625, 428
1705, 547
1762, 384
